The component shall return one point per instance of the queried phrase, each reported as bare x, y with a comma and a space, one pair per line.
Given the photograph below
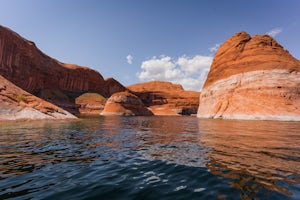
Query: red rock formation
252, 78
165, 98
22, 63
25, 65
125, 103
17, 104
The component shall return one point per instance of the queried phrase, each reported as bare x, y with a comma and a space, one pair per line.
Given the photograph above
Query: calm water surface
150, 158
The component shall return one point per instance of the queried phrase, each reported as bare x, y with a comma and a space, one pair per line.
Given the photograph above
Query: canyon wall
22, 63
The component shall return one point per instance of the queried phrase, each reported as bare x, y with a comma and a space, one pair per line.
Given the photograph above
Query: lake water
150, 158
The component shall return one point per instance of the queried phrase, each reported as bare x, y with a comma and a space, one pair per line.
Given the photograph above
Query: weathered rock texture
125, 103
90, 103
165, 98
17, 104
22, 63
252, 78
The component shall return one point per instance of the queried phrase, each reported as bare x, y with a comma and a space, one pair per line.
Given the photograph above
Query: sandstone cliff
165, 98
22, 63
17, 104
252, 78
125, 103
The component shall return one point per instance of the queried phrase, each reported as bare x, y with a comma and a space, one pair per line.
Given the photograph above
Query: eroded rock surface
126, 104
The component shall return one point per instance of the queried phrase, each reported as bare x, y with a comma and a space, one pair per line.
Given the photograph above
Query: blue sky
141, 40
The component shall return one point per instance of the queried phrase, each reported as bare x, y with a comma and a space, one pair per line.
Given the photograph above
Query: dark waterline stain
150, 158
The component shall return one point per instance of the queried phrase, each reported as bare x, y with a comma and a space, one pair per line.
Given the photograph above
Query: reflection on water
176, 140
150, 157
255, 155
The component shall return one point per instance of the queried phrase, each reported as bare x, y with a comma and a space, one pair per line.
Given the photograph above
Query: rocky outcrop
252, 78
17, 104
165, 98
126, 104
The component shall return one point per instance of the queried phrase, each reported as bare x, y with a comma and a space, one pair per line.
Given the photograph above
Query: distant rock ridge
252, 78
156, 86
166, 98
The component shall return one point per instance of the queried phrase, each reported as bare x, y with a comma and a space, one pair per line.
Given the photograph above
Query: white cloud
129, 59
214, 48
274, 32
189, 72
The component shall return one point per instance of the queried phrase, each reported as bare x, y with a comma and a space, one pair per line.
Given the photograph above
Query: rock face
113, 86
125, 103
252, 78
17, 104
165, 98
22, 63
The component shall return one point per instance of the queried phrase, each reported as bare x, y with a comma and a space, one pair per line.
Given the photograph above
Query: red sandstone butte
165, 98
126, 104
17, 104
252, 78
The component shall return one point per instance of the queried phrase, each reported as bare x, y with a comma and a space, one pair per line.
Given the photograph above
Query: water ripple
150, 158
